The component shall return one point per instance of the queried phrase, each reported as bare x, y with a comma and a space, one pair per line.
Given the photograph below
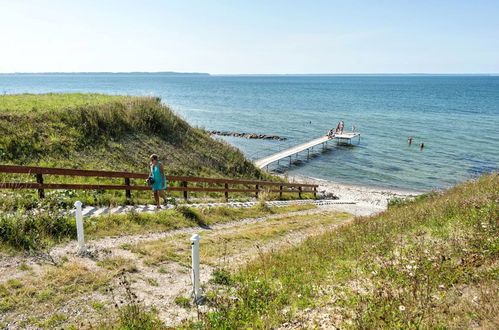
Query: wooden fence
222, 185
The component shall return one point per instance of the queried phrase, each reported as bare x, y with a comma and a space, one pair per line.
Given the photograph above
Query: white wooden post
196, 290
82, 249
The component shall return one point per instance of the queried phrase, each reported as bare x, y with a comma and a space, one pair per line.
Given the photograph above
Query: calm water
457, 117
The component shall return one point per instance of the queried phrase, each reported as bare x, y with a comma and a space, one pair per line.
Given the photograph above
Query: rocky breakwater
248, 135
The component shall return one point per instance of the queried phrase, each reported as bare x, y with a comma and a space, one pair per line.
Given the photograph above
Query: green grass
107, 132
431, 263
52, 101
30, 232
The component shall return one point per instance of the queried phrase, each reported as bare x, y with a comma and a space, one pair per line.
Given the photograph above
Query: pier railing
217, 185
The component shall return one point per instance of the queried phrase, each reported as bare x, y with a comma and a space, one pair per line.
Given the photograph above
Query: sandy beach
365, 201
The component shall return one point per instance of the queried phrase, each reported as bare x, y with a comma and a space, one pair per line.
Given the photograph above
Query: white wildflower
408, 267
402, 308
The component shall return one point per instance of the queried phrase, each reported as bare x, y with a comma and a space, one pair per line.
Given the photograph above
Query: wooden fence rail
273, 187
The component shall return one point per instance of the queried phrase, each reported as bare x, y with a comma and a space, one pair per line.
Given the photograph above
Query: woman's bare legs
157, 194
163, 195
156, 198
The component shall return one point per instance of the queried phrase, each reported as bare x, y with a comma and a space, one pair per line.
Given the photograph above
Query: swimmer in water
409, 140
421, 146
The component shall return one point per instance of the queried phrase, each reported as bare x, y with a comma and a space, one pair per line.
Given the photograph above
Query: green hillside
109, 132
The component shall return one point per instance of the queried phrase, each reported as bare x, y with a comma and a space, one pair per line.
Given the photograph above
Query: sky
250, 37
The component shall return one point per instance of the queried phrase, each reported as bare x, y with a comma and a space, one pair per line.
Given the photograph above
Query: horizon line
252, 74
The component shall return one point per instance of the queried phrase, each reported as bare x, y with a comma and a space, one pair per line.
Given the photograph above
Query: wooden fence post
184, 184
280, 191
256, 194
315, 192
299, 192
128, 192
226, 193
39, 179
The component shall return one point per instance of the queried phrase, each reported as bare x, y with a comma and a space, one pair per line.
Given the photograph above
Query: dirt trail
156, 285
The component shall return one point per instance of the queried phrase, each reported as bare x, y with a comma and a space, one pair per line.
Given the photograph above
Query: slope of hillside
430, 263
106, 132
110, 132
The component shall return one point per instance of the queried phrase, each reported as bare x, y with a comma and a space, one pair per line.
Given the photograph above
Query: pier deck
261, 163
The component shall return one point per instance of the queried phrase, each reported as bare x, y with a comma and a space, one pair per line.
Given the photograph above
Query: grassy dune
107, 132
431, 263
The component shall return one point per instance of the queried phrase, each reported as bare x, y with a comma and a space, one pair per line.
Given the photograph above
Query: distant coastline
169, 73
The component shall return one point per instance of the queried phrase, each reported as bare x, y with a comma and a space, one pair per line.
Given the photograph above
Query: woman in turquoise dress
159, 185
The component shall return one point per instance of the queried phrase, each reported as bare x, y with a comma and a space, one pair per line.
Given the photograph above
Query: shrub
31, 231
221, 276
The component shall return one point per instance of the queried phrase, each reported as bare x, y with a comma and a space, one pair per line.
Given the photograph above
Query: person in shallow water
159, 185
421, 146
409, 140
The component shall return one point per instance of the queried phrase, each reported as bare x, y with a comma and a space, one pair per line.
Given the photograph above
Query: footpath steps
92, 211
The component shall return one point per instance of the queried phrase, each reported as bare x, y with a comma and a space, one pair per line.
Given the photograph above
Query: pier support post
308, 154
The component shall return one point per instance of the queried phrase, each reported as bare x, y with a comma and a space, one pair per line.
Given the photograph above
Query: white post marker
196, 290
82, 249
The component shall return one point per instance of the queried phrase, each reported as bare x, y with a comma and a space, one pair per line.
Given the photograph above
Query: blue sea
457, 118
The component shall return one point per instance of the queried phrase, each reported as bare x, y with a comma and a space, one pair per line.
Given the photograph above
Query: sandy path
155, 288
367, 202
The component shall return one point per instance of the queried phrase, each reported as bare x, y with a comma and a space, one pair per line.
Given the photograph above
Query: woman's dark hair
154, 157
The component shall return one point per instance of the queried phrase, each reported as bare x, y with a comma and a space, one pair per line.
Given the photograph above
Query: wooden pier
348, 136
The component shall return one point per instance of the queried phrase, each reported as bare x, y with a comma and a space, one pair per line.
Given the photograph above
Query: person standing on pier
342, 126
337, 130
